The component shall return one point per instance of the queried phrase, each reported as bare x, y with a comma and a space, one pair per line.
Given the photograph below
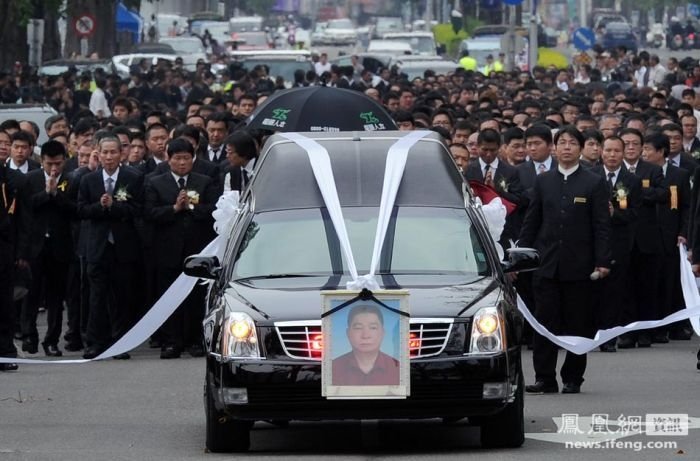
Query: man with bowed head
568, 222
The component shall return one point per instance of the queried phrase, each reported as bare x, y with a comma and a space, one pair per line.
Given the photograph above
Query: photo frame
365, 344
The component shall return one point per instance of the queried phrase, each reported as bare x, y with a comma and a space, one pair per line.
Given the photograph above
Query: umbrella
320, 108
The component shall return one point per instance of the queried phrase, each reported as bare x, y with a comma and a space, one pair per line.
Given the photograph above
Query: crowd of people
598, 161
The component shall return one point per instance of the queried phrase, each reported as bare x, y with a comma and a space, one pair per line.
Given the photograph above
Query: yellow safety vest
468, 63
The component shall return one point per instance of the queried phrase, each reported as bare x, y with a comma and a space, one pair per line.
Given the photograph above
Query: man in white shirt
657, 71
98, 101
322, 65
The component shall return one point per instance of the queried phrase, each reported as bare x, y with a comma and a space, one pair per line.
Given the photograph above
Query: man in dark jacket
568, 222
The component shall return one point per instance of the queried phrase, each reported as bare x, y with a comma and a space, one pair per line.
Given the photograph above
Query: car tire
507, 428
224, 435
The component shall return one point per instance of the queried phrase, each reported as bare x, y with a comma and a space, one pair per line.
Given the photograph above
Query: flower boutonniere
621, 194
503, 185
193, 197
63, 185
695, 154
122, 195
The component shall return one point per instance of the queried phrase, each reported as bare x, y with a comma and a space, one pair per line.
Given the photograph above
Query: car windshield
280, 67
340, 24
420, 240
185, 45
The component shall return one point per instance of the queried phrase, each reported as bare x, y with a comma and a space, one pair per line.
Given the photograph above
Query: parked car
370, 61
246, 24
282, 63
190, 49
37, 113
340, 32
60, 66
387, 24
262, 329
395, 47
251, 40
619, 34
123, 62
417, 68
480, 47
420, 42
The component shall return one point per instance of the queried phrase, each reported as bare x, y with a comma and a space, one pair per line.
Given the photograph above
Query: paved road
150, 409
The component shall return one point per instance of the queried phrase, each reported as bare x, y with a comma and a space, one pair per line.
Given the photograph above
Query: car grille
435, 390
303, 340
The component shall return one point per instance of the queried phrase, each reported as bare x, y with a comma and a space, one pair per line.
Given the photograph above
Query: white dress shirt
23, 168
567, 171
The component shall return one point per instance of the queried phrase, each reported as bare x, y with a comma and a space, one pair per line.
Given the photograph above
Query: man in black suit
53, 207
568, 222
217, 131
21, 152
538, 143
156, 139
625, 191
673, 219
200, 165
242, 154
180, 205
677, 155
110, 198
501, 176
14, 253
691, 143
647, 251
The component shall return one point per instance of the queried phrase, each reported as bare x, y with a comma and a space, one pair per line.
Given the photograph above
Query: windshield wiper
278, 276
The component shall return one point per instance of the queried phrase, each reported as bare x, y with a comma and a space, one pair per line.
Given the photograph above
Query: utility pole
532, 42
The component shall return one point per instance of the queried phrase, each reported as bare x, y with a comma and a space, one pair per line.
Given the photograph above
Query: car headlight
487, 332
239, 339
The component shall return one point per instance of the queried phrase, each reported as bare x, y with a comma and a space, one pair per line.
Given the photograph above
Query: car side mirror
521, 260
203, 267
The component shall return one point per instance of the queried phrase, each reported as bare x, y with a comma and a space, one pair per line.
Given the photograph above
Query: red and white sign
84, 25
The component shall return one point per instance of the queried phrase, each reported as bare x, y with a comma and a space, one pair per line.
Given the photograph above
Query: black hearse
263, 327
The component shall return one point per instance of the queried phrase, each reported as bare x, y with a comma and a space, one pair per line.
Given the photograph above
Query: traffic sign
513, 2
490, 4
84, 25
694, 9
584, 38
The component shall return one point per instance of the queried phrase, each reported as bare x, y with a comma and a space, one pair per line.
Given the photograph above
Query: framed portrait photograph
365, 345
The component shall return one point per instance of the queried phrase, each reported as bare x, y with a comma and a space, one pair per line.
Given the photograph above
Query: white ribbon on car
395, 165
225, 215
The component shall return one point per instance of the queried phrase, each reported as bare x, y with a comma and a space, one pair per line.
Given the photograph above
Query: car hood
283, 299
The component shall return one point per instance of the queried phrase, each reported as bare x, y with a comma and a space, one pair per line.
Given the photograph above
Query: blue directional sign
513, 2
694, 9
490, 4
584, 38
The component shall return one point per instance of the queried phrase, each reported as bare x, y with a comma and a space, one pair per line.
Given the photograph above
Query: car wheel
225, 435
506, 429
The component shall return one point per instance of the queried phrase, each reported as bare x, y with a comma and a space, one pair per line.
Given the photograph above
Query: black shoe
661, 338
571, 388
51, 350
124, 356
30, 346
540, 387
196, 351
73, 347
643, 340
170, 352
9, 367
608, 347
91, 352
625, 342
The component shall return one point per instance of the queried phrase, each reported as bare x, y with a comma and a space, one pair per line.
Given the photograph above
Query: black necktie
214, 154
244, 175
611, 176
181, 183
